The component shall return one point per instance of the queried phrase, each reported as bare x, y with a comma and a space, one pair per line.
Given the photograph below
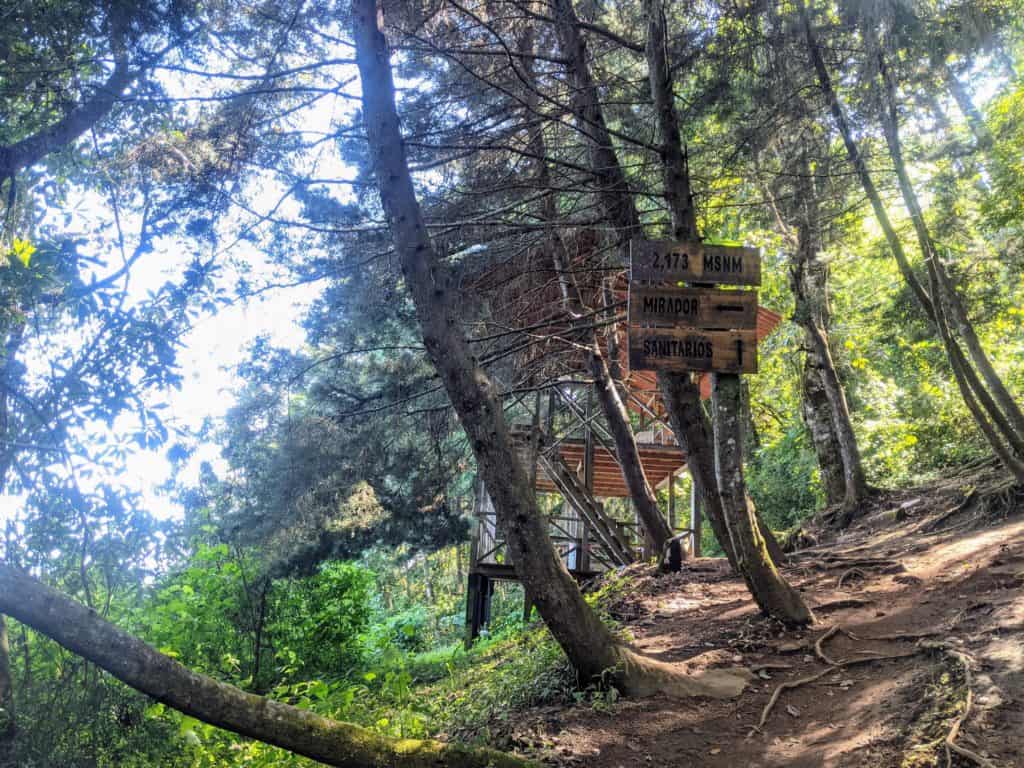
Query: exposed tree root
933, 525
838, 605
993, 502
833, 666
778, 692
949, 743
898, 635
821, 641
643, 676
879, 564
850, 572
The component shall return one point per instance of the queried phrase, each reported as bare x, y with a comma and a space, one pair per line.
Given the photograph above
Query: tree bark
948, 296
645, 502
679, 391
614, 192
627, 452
773, 594
8, 723
681, 396
22, 154
590, 646
82, 631
982, 135
817, 416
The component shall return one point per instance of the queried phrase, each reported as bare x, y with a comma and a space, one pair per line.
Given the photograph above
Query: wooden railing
576, 543
580, 553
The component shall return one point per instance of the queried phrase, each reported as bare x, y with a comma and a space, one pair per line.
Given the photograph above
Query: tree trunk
614, 192
808, 282
644, 500
676, 180
771, 591
589, 645
627, 452
8, 724
257, 640
950, 298
751, 439
428, 584
656, 529
817, 416
679, 391
460, 576
145, 669
681, 396
982, 135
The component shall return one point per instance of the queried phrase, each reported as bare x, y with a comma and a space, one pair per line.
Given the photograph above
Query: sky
217, 343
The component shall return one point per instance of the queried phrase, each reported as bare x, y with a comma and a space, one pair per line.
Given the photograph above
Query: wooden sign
667, 261
692, 349
705, 308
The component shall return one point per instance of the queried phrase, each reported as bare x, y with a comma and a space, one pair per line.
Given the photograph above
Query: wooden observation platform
565, 447
577, 472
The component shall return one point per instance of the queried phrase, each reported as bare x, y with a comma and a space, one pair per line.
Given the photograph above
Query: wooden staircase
605, 529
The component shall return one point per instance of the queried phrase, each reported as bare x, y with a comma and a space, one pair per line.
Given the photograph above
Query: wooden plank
705, 308
669, 261
691, 349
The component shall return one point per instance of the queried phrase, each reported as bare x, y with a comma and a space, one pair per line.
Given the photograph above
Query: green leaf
22, 250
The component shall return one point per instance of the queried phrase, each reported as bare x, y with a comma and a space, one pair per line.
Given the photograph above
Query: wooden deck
660, 462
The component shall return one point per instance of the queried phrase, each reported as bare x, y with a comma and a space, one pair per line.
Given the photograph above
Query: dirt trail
884, 577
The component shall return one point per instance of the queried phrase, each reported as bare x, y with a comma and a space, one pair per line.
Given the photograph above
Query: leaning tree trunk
676, 181
590, 646
656, 529
982, 136
773, 594
947, 297
619, 205
617, 201
130, 660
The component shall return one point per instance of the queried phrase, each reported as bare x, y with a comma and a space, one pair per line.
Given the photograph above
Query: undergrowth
447, 692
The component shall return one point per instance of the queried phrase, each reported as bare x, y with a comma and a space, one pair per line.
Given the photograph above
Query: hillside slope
921, 589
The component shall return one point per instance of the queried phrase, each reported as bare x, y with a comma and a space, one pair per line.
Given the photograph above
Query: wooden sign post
671, 262
692, 328
692, 349
698, 307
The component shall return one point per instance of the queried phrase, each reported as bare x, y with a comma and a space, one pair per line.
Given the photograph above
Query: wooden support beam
478, 606
588, 478
574, 492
